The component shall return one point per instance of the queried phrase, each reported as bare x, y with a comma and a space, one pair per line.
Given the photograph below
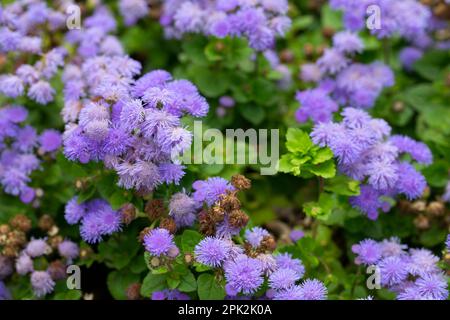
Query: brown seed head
168, 224
154, 209
240, 182
134, 291
21, 222
46, 222
128, 212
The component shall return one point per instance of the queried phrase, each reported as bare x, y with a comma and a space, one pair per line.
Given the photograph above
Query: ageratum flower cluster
413, 274
366, 151
133, 126
341, 82
96, 218
406, 18
23, 25
259, 21
245, 266
20, 145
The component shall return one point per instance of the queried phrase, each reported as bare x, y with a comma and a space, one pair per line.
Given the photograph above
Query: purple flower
41, 92
408, 56
24, 264
11, 86
210, 190
42, 283
6, 267
312, 289
212, 251
68, 250
50, 140
447, 243
255, 235
74, 212
37, 248
159, 242
316, 105
421, 262
182, 208
419, 151
283, 279
291, 293
432, 286
244, 275
296, 235
285, 261
347, 42
392, 270
410, 181
5, 294
332, 62
368, 252
133, 10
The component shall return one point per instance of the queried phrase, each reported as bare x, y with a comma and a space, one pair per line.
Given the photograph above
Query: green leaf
188, 283
119, 250
119, 281
325, 170
322, 155
298, 141
189, 240
209, 289
254, 114
152, 283
342, 185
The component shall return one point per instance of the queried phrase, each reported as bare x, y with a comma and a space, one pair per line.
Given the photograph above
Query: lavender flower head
212, 251
210, 190
243, 275
183, 209
159, 242
42, 283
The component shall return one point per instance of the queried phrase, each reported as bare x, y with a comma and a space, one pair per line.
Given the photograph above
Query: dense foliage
97, 120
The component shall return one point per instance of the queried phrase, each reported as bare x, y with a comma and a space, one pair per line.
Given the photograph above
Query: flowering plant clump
224, 150
42, 260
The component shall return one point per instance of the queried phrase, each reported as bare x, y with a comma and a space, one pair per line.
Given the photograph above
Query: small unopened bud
39, 193
4, 229
328, 32
21, 222
85, 252
128, 212
155, 262
219, 46
240, 182
422, 222
173, 252
287, 56
154, 209
398, 106
46, 222
55, 241
168, 224
419, 206
188, 258
436, 208
134, 291
308, 49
